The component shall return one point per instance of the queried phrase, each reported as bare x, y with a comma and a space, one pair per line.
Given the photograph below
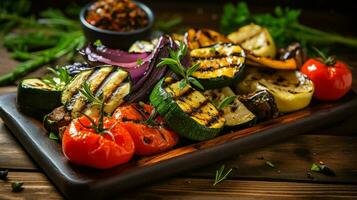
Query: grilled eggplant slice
256, 39
220, 65
112, 81
37, 98
261, 103
292, 90
235, 114
198, 38
186, 111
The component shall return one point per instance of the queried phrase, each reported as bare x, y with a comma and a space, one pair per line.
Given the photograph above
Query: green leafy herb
38, 41
323, 169
226, 101
53, 136
3, 174
270, 164
221, 175
17, 186
59, 79
139, 61
283, 25
96, 101
174, 62
98, 43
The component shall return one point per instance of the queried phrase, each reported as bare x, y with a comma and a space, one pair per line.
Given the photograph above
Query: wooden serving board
79, 182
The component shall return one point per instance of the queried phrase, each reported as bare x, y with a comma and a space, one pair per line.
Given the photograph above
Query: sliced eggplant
186, 111
235, 114
261, 103
113, 82
292, 90
220, 65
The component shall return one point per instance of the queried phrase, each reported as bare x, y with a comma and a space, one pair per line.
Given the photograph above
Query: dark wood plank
37, 186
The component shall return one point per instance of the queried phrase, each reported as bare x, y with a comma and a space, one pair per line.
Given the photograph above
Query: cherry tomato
148, 138
83, 146
332, 79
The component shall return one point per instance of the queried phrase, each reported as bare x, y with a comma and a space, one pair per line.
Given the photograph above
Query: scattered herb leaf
139, 61
17, 186
323, 169
226, 101
53, 136
270, 164
3, 174
221, 175
98, 43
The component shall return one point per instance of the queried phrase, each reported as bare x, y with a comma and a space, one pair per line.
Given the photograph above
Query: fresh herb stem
174, 63
221, 175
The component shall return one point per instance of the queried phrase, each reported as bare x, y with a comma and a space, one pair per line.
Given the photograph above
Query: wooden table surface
251, 178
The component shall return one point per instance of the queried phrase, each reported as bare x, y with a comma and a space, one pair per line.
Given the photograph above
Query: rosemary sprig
174, 62
221, 175
96, 101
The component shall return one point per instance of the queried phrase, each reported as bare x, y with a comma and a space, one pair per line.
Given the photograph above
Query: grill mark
99, 87
211, 68
208, 35
216, 56
213, 120
169, 82
76, 94
251, 37
199, 108
184, 94
162, 135
116, 90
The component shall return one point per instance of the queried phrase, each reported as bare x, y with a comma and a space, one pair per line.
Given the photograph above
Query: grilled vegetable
261, 103
220, 65
203, 37
186, 111
36, 98
141, 46
288, 64
256, 39
235, 113
291, 89
57, 121
113, 82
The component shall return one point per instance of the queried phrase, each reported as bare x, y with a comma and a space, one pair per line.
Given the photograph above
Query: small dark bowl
116, 39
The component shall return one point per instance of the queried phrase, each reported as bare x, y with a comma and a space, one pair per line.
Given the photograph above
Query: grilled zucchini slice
36, 98
186, 111
220, 65
113, 82
198, 38
235, 114
292, 90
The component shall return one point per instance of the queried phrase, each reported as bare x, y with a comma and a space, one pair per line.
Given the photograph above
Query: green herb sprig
283, 25
37, 42
58, 79
174, 62
226, 101
221, 175
95, 101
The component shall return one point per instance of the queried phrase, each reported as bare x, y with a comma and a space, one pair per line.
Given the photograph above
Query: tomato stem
329, 61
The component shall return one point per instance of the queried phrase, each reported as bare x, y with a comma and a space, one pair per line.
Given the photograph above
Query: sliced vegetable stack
186, 111
220, 65
113, 82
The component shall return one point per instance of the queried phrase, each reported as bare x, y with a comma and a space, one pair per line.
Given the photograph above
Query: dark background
334, 16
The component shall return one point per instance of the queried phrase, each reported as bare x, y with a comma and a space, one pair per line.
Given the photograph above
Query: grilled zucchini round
186, 111
220, 65
36, 98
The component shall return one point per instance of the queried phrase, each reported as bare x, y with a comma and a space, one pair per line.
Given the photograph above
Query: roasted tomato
332, 79
149, 135
84, 145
